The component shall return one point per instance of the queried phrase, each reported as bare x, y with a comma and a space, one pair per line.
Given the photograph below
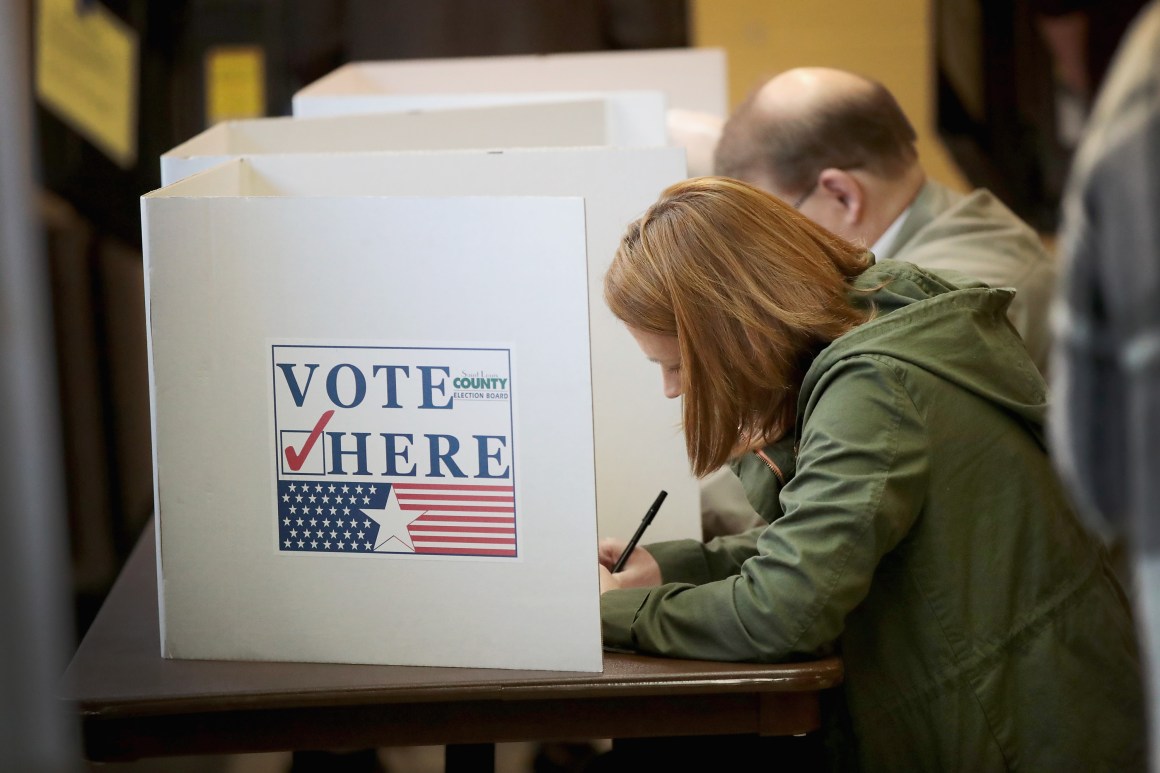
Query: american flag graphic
453, 519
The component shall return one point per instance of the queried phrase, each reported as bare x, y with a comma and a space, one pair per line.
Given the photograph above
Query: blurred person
1105, 417
1081, 36
38, 732
919, 527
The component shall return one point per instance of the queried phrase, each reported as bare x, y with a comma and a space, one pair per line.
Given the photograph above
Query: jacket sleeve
860, 482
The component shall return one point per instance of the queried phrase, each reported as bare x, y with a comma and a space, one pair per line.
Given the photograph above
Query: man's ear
844, 192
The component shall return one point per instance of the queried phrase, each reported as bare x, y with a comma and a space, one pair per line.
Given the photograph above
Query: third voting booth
691, 78
686, 87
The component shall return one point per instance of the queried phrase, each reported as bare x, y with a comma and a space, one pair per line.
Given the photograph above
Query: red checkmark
296, 458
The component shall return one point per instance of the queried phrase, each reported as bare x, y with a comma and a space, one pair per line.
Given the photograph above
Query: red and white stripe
460, 519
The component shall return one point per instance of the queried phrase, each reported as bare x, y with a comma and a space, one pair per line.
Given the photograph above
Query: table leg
469, 758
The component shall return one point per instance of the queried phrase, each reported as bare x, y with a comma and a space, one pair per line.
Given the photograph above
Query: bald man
837, 147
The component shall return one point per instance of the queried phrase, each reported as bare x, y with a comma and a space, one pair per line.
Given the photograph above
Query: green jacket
924, 532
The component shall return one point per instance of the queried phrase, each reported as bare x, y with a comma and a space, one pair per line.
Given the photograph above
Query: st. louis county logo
378, 451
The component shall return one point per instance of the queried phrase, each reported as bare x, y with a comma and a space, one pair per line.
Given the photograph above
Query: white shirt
886, 240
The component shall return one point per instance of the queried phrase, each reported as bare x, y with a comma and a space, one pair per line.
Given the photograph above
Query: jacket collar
922, 210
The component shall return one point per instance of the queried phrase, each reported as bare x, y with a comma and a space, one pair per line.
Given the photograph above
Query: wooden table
133, 703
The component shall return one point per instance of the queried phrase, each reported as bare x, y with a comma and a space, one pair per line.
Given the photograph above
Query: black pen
644, 522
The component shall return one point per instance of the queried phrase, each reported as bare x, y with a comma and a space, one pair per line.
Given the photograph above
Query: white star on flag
392, 523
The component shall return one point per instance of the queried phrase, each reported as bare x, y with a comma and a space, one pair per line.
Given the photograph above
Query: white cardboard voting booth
574, 123
372, 422
639, 446
692, 79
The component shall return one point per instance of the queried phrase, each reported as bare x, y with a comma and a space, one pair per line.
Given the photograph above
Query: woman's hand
607, 580
641, 570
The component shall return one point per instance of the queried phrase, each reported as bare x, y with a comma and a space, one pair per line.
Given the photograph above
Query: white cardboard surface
639, 446
230, 276
691, 78
632, 119
570, 123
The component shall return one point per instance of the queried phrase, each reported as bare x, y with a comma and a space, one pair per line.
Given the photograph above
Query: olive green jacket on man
977, 235
925, 534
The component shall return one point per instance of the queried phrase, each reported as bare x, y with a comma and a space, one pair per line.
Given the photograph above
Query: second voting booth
565, 122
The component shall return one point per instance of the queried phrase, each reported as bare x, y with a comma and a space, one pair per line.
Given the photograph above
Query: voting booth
691, 82
350, 464
691, 79
568, 121
559, 124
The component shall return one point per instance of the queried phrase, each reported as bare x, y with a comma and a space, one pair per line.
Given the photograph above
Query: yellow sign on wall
86, 74
235, 83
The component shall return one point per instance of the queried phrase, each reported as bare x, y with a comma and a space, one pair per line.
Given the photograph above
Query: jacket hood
948, 324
